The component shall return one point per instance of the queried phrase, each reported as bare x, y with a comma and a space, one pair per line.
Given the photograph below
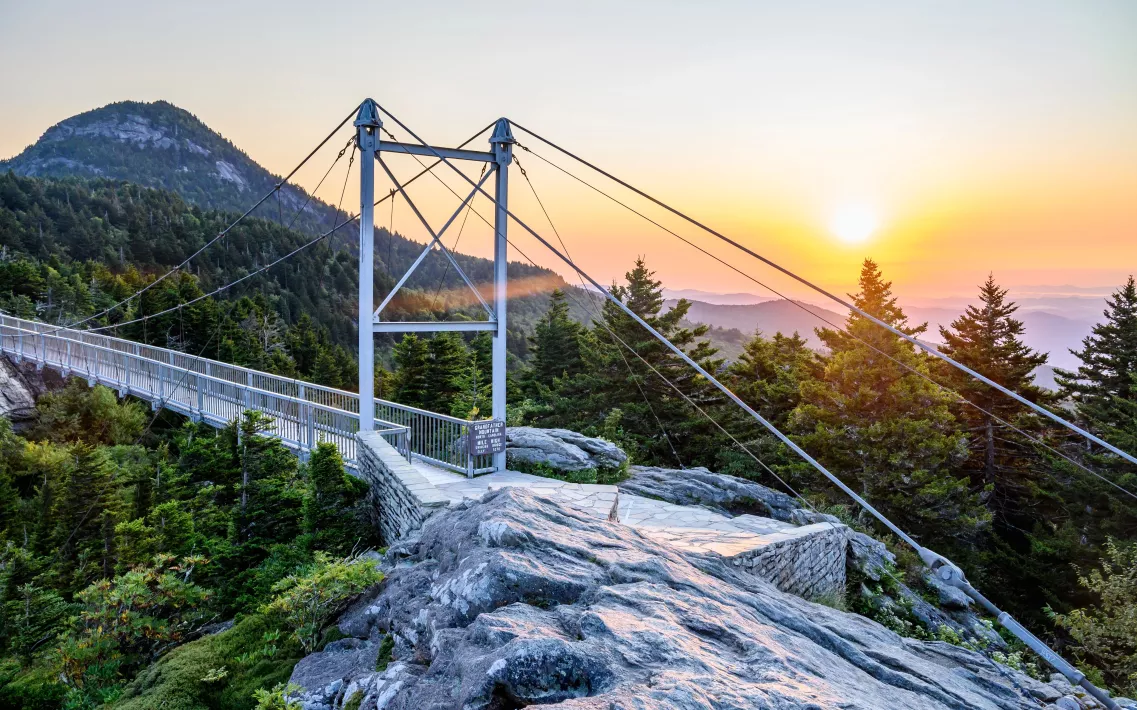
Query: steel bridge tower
498, 158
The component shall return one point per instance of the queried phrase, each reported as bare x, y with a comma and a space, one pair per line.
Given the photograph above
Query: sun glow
853, 224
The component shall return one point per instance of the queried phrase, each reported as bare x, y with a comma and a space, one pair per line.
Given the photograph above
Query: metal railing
215, 392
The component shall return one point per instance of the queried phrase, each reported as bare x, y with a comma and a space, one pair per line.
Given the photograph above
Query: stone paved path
686, 527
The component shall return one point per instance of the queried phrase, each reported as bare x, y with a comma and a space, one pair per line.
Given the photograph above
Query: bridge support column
502, 143
368, 124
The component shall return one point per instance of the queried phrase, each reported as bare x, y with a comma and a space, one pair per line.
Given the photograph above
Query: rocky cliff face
515, 600
162, 146
20, 385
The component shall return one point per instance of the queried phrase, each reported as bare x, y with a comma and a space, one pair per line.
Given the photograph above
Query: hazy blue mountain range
1045, 331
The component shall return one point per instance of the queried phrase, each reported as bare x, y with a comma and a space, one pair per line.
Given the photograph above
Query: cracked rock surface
515, 600
719, 492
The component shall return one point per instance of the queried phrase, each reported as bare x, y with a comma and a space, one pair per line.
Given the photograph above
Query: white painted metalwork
217, 392
368, 124
498, 161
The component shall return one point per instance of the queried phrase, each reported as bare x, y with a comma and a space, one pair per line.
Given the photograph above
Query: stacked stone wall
401, 497
808, 561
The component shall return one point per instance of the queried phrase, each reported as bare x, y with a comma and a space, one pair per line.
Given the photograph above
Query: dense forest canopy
183, 526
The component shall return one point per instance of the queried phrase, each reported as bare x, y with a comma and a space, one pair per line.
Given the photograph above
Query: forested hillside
72, 248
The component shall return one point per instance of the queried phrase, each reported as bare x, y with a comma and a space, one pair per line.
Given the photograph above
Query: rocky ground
20, 385
515, 600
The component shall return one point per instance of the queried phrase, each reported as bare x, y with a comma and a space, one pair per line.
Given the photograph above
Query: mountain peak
160, 145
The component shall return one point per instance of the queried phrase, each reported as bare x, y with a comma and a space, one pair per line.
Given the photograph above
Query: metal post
368, 123
502, 143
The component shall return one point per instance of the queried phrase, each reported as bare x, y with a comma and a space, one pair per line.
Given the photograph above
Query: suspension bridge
305, 414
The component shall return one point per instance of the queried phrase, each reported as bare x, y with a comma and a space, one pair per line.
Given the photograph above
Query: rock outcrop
721, 493
560, 449
20, 385
515, 600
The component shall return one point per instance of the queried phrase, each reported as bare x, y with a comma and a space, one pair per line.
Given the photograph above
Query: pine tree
329, 516
412, 361
554, 346
768, 376
1109, 361
657, 422
988, 339
886, 431
448, 359
84, 517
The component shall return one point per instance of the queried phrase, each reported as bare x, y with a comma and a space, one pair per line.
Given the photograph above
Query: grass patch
386, 653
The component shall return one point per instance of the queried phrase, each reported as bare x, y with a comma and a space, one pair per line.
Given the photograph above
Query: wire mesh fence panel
303, 414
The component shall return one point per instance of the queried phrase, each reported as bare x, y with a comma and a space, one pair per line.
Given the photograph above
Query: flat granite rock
560, 449
729, 495
515, 600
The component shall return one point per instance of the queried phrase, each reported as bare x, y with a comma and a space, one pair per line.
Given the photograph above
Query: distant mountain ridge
1045, 332
162, 146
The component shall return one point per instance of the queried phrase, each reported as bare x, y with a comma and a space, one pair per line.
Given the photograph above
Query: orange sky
982, 135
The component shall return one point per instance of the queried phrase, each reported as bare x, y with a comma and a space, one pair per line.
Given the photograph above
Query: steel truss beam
453, 153
436, 240
413, 326
436, 237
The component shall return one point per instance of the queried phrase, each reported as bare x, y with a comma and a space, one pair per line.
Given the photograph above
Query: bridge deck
303, 413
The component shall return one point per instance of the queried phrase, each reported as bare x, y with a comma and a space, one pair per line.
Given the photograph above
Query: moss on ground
218, 672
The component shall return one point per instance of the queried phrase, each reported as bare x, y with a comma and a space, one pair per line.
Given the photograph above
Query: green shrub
219, 672
34, 688
309, 600
1105, 633
602, 474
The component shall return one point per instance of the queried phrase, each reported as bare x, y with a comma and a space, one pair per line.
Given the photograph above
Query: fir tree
657, 421
988, 339
329, 516
554, 346
448, 359
886, 431
412, 362
1109, 361
768, 376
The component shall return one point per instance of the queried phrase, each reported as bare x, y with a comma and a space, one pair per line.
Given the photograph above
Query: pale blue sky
954, 121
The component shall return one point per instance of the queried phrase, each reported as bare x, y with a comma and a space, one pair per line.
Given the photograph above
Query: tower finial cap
368, 114
502, 132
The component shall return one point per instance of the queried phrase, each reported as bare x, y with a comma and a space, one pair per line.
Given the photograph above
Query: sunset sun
853, 224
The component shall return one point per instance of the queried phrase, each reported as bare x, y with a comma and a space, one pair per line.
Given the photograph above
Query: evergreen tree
768, 376
84, 518
769, 373
988, 339
1109, 361
554, 346
613, 378
330, 517
412, 362
884, 430
448, 359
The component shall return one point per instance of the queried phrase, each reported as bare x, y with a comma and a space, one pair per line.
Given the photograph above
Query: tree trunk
990, 451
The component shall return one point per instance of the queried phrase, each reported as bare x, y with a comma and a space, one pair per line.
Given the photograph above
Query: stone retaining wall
808, 561
401, 498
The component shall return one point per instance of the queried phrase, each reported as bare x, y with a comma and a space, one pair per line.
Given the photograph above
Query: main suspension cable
837, 299
923, 375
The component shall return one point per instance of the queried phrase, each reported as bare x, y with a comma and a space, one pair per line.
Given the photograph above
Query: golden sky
975, 136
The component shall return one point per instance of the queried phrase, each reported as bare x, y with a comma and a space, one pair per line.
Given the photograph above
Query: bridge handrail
307, 385
213, 378
430, 441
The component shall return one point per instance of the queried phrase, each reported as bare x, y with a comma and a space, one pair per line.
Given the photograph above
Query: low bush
219, 672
